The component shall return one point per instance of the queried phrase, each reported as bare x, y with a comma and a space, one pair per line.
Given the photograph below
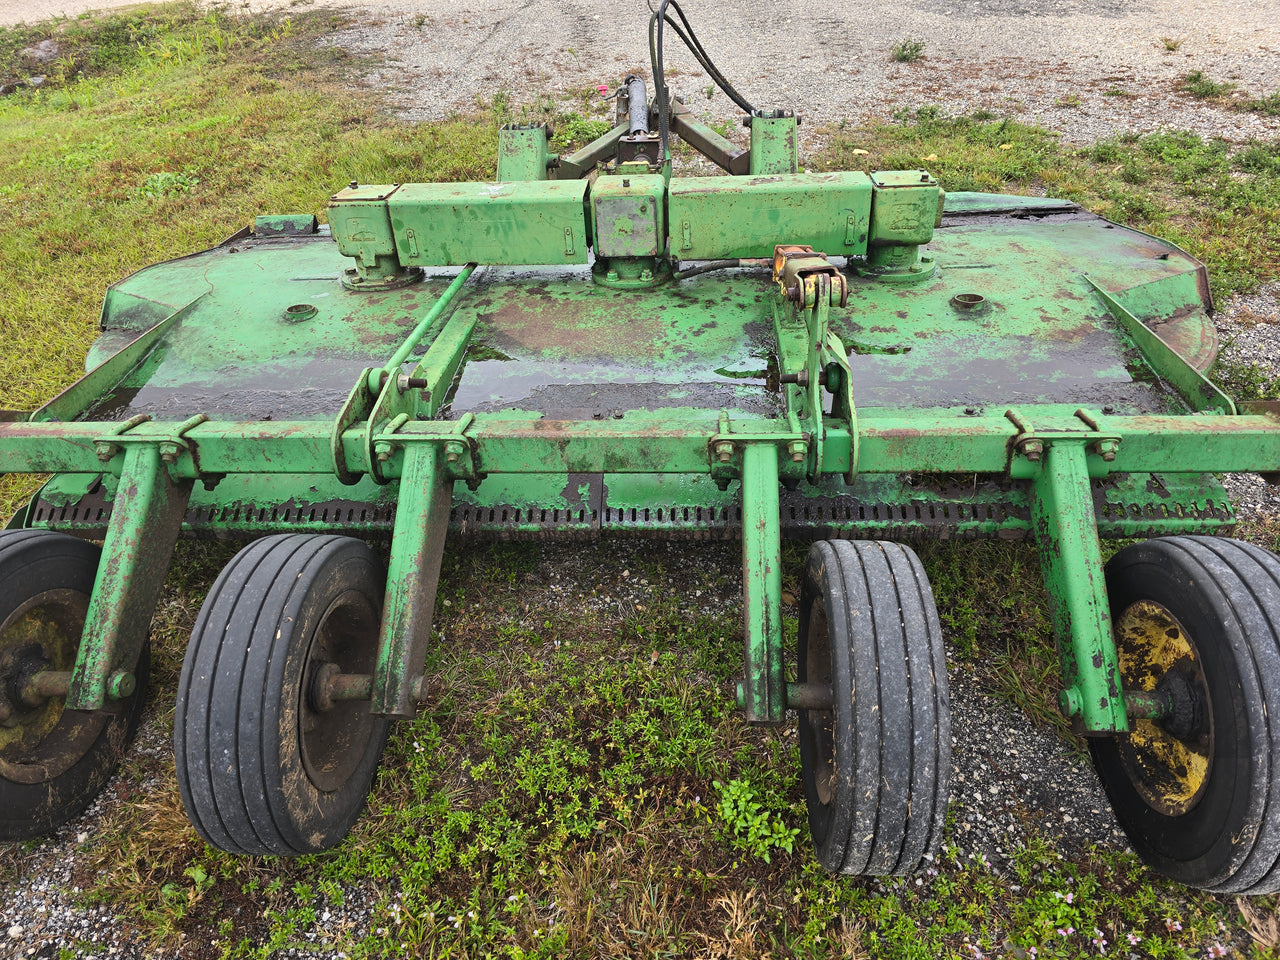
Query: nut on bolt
453, 451
383, 450
798, 450
1106, 449
1033, 450
724, 450
105, 451
169, 452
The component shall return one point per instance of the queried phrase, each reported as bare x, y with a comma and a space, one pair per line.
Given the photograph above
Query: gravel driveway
1084, 67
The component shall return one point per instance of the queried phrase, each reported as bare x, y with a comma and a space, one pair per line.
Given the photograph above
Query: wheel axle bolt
1069, 702
121, 685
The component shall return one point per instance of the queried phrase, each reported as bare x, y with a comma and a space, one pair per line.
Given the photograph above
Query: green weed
1268, 106
751, 826
908, 50
1245, 381
1199, 85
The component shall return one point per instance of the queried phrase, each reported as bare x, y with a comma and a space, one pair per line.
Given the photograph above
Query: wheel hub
39, 740
1168, 760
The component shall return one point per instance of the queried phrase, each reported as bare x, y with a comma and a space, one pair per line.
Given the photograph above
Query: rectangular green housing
449, 224
724, 217
628, 216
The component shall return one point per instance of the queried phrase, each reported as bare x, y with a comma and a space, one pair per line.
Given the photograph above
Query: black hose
705, 268
695, 47
660, 81
656, 23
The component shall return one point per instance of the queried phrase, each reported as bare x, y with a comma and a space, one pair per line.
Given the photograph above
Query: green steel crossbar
927, 444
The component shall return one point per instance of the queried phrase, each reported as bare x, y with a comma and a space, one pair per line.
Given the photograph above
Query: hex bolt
383, 450
453, 451
1033, 450
121, 684
724, 450
405, 382
169, 452
105, 451
798, 449
1107, 449
611, 276
646, 274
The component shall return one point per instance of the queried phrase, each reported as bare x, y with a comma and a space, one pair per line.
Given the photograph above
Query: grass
1198, 85
580, 783
1202, 87
907, 51
1218, 202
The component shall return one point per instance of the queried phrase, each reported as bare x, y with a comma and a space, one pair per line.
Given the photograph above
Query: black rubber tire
48, 577
260, 770
1225, 597
876, 768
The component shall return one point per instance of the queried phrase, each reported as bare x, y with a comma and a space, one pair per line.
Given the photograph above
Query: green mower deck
848, 358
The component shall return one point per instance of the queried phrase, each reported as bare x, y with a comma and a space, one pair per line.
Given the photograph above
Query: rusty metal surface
552, 342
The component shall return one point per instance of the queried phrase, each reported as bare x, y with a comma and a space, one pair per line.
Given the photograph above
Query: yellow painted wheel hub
1169, 773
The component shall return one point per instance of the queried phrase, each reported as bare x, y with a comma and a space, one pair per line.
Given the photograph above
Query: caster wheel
53, 762
1197, 620
876, 766
263, 766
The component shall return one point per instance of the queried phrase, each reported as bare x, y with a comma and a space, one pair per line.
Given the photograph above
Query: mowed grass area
579, 783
